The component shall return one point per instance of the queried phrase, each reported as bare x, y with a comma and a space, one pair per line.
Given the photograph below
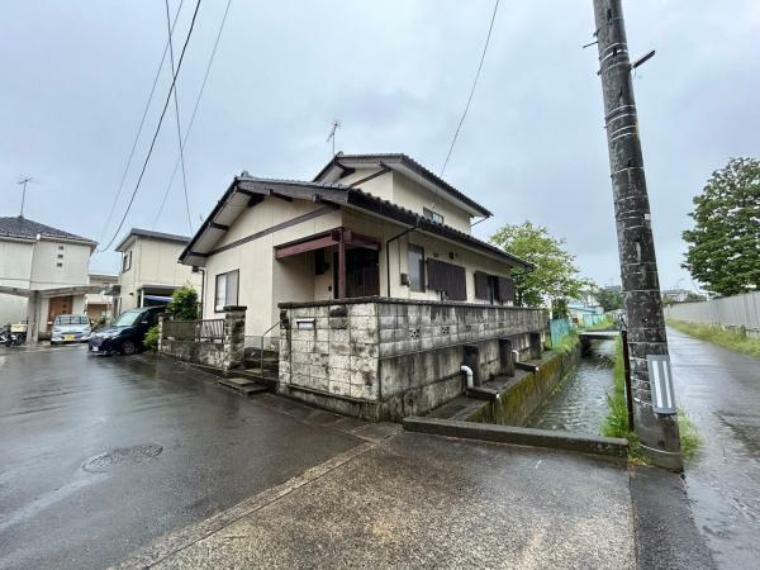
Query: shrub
184, 304
151, 338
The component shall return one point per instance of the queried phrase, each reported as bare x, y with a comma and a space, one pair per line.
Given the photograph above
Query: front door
59, 306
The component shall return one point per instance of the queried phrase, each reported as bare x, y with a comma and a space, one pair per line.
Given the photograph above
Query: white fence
733, 312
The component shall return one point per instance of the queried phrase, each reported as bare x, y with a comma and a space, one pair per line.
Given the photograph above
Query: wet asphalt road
99, 456
720, 391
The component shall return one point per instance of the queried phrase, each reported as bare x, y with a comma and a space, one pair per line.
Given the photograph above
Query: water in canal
580, 402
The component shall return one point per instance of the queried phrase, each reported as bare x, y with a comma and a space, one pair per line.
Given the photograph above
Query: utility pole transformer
638, 266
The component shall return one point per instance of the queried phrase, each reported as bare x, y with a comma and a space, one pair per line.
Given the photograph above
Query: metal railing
208, 330
261, 348
211, 329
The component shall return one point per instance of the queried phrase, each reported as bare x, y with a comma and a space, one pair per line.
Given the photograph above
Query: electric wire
194, 113
139, 131
178, 121
158, 126
474, 85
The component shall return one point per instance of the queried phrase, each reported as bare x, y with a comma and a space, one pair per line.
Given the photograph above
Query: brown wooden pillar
341, 264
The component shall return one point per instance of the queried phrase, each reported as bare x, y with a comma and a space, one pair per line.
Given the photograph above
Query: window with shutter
505, 289
447, 278
481, 286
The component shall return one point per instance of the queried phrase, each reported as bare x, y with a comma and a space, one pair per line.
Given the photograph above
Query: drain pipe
468, 374
388, 251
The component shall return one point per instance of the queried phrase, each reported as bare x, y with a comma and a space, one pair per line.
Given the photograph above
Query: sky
76, 76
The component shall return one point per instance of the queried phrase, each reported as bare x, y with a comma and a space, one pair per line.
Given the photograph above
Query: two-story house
367, 225
43, 263
149, 271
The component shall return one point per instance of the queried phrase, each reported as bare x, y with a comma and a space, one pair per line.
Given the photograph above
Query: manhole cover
123, 456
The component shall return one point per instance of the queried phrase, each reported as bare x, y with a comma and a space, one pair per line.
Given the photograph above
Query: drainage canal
579, 403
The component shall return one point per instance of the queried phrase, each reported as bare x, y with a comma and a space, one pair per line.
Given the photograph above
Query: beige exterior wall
263, 281
380, 186
415, 197
154, 262
434, 247
405, 192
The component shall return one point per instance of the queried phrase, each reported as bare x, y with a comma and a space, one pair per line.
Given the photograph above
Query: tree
724, 246
184, 304
609, 299
555, 277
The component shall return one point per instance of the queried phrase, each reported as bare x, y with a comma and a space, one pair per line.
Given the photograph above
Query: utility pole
24, 181
647, 342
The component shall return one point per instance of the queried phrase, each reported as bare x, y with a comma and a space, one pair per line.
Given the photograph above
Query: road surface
98, 456
720, 391
131, 460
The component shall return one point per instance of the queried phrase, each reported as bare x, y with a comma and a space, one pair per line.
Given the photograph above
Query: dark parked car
127, 333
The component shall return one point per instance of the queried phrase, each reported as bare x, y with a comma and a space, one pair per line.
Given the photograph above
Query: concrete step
243, 386
267, 377
483, 393
527, 366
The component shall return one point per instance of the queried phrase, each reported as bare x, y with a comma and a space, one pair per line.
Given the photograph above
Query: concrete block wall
386, 358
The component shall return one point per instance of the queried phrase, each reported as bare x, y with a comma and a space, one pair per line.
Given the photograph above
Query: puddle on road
123, 456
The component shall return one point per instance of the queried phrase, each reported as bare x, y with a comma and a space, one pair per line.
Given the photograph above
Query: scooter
10, 338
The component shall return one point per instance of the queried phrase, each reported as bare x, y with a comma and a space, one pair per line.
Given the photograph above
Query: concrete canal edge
609, 446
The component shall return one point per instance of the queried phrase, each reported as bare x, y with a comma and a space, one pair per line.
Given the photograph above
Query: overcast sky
76, 75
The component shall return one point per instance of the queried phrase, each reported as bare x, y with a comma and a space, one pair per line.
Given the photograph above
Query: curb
567, 441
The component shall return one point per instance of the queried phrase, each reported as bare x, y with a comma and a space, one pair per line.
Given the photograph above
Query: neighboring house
44, 264
367, 225
99, 305
150, 272
583, 310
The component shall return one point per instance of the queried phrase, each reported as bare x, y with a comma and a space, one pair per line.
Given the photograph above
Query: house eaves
245, 192
136, 233
344, 164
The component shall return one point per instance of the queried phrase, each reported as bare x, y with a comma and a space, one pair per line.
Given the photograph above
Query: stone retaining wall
387, 359
224, 354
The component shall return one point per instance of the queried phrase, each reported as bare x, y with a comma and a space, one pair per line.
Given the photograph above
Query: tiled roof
24, 228
413, 165
343, 195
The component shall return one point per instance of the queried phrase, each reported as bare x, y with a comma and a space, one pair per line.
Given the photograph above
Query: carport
34, 296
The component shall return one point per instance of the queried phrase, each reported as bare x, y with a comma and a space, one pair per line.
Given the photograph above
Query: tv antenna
331, 137
23, 181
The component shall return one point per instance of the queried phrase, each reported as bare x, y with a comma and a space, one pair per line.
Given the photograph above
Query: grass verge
567, 344
605, 325
616, 422
732, 340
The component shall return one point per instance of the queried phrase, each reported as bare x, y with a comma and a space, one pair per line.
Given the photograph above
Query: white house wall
154, 262
15, 271
34, 265
74, 260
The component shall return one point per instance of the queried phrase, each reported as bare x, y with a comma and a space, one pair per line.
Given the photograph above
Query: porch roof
246, 191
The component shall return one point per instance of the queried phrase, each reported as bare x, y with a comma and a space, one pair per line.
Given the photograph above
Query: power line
158, 127
474, 84
179, 127
195, 111
139, 129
